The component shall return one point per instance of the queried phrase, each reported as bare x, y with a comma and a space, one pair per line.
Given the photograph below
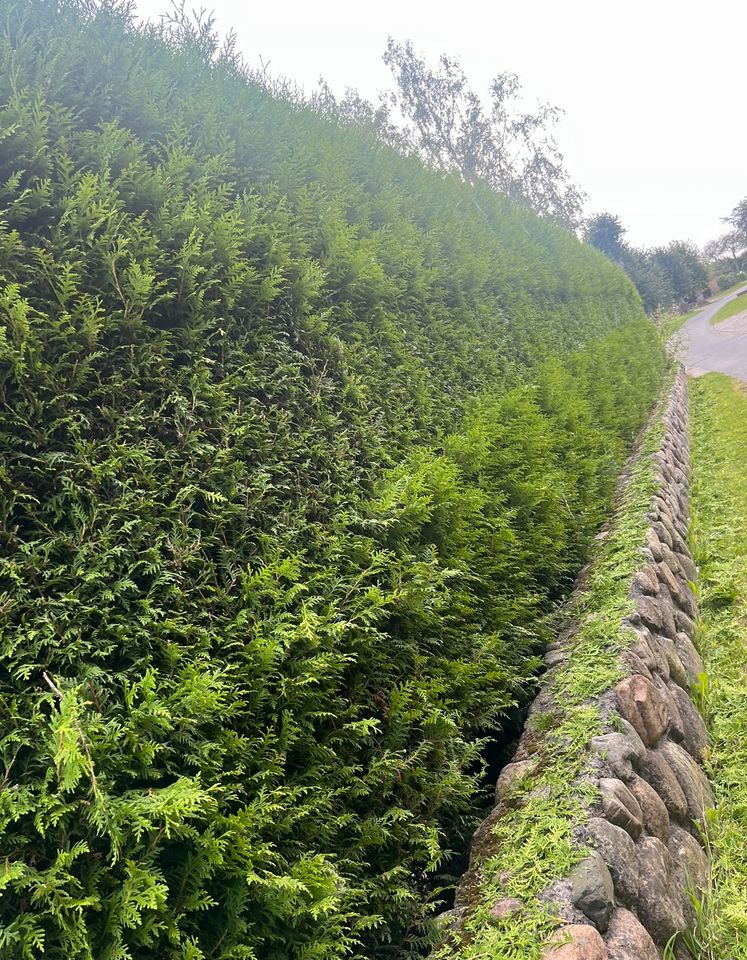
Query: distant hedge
300, 443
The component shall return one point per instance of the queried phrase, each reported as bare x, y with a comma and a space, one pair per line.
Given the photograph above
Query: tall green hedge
300, 443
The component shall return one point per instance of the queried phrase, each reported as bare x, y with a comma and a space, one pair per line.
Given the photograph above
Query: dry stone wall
643, 853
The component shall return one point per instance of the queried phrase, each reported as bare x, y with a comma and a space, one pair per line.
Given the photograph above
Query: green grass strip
674, 323
719, 533
731, 309
534, 843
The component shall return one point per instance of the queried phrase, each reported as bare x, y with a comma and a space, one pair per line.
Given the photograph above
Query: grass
730, 309
534, 843
670, 324
719, 535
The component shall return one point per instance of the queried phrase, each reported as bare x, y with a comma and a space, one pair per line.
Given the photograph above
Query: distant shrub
730, 279
300, 444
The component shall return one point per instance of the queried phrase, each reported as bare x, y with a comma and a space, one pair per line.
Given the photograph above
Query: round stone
658, 909
628, 939
641, 705
659, 774
655, 816
617, 849
576, 941
620, 807
592, 890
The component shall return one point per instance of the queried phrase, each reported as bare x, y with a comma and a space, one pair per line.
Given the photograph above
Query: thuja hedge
300, 444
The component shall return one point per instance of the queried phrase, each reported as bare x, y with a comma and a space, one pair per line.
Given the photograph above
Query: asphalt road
708, 350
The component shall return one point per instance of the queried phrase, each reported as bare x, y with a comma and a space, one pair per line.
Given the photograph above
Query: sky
654, 128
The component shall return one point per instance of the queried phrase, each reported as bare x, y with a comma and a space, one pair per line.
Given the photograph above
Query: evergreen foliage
301, 441
665, 277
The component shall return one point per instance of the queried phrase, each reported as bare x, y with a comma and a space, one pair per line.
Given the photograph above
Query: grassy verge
671, 324
534, 844
719, 427
730, 309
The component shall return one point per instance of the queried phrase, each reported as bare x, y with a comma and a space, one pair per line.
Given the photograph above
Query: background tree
665, 277
605, 232
683, 266
726, 249
738, 220
496, 141
434, 113
728, 253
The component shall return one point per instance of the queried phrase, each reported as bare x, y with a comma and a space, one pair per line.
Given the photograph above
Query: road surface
707, 349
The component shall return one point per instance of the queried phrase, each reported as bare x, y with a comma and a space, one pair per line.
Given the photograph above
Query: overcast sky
654, 130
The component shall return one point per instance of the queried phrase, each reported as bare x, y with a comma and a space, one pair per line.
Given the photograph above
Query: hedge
301, 444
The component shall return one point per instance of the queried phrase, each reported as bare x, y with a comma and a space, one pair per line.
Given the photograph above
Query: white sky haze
653, 92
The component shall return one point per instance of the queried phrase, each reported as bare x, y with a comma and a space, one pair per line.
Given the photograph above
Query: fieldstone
506, 908
622, 753
678, 543
620, 807
654, 545
628, 939
675, 667
642, 648
483, 839
677, 526
674, 727
681, 525
553, 658
635, 664
695, 739
592, 890
665, 576
509, 777
657, 651
655, 815
650, 612
644, 582
692, 780
662, 533
449, 920
683, 623
618, 851
671, 559
691, 869
659, 501
667, 496
543, 702
665, 467
668, 612
687, 564
682, 503
629, 731
665, 512
576, 941
688, 601
690, 658
659, 911
657, 772
641, 705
